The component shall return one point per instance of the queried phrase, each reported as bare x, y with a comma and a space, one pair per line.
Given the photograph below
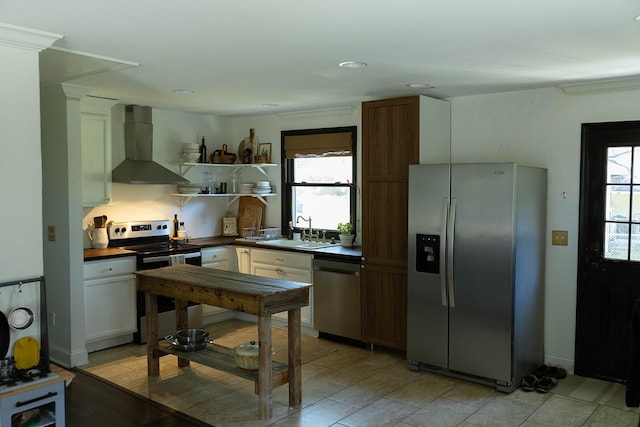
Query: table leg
265, 368
182, 322
295, 360
151, 312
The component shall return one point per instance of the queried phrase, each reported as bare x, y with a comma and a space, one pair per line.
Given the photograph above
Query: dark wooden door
609, 247
390, 142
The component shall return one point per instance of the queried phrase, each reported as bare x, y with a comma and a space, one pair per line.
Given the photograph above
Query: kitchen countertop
95, 254
337, 251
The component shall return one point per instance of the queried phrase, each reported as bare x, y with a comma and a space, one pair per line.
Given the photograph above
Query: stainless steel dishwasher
336, 298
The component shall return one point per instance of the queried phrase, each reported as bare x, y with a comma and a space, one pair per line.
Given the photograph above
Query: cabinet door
95, 131
110, 307
214, 255
287, 273
386, 126
244, 260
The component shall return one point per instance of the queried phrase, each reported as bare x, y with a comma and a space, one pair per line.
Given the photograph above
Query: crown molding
324, 112
600, 86
26, 38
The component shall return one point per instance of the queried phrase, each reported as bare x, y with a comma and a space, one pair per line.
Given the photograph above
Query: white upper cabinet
96, 150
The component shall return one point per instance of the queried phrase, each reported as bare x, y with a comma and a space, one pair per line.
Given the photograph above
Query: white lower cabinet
221, 258
243, 256
285, 265
110, 302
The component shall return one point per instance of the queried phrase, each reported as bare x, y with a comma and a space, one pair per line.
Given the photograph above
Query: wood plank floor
91, 401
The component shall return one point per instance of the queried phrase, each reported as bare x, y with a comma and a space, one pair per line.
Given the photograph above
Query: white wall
542, 128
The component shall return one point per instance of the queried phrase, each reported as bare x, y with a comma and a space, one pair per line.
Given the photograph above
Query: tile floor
350, 386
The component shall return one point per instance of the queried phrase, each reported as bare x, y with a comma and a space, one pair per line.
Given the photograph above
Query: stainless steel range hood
138, 166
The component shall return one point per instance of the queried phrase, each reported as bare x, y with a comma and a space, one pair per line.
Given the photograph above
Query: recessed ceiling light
352, 64
183, 91
418, 85
270, 105
637, 18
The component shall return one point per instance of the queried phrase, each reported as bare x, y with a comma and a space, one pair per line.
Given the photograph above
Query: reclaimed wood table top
227, 289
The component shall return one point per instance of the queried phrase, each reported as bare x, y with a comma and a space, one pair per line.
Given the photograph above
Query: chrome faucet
310, 232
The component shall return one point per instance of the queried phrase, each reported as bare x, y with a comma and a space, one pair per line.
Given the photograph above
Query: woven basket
221, 156
247, 356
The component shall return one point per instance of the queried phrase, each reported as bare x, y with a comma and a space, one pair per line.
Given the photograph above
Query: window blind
318, 145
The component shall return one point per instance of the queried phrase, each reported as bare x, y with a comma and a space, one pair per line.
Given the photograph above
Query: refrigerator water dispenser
428, 253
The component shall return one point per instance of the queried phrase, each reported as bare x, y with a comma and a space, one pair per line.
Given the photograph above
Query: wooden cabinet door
390, 143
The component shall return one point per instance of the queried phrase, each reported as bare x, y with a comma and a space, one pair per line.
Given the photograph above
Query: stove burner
161, 248
24, 376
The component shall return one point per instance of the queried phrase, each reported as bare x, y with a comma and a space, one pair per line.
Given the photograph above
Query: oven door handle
165, 258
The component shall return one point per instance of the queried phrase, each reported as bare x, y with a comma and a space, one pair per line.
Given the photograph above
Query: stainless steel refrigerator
475, 306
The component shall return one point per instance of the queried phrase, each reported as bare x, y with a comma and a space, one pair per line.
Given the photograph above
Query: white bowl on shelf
190, 157
190, 146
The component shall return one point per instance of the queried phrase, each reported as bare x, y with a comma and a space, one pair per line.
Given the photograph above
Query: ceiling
256, 57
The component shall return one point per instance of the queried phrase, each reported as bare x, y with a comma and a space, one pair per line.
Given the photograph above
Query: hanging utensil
26, 353
22, 316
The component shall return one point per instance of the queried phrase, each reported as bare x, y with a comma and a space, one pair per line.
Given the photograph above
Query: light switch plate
51, 233
559, 237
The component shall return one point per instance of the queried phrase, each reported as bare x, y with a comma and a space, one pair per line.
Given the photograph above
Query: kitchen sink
295, 244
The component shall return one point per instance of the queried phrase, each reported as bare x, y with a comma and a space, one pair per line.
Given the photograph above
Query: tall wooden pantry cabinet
395, 133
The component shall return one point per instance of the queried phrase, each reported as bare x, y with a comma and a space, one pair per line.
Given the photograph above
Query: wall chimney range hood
138, 166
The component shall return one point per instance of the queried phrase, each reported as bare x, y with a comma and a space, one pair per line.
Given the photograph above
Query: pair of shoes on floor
542, 385
550, 371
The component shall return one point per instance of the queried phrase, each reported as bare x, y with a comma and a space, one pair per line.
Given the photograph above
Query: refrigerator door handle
450, 242
443, 233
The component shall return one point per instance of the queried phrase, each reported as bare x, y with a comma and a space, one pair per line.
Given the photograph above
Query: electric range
154, 248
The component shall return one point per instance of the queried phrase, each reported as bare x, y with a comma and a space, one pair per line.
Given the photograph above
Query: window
622, 204
319, 174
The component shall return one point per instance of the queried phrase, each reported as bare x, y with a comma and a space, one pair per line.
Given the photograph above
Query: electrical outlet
52, 319
51, 233
559, 237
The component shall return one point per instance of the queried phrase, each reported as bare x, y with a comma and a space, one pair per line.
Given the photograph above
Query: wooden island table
234, 291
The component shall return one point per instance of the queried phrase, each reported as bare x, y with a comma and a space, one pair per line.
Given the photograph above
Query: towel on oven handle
176, 259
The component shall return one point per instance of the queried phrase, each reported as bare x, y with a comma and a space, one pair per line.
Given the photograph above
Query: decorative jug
99, 238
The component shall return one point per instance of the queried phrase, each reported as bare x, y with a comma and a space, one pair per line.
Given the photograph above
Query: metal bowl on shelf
192, 336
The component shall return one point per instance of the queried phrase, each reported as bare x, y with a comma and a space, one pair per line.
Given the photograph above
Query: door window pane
635, 242
636, 166
618, 202
619, 165
616, 241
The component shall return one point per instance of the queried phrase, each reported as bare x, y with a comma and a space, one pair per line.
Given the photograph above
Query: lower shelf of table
223, 359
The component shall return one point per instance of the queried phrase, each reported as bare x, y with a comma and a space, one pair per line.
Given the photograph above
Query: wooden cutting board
251, 207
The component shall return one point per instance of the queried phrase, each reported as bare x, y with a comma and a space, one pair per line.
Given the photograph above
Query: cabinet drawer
210, 255
282, 258
109, 267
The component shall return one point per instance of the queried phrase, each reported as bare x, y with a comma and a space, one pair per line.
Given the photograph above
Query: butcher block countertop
94, 254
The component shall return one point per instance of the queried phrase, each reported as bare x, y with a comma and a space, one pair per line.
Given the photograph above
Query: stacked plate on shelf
190, 152
262, 187
246, 187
